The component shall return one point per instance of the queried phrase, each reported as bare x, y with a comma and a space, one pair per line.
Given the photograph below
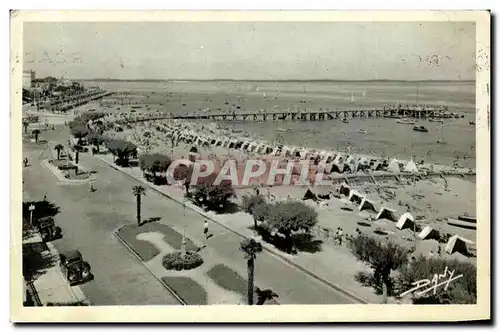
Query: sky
252, 50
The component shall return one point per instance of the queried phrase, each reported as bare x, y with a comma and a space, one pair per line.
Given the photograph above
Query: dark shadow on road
36, 260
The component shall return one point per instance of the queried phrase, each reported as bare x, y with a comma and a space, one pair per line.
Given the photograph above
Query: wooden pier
318, 115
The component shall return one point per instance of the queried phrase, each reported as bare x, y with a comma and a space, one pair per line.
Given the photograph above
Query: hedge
174, 261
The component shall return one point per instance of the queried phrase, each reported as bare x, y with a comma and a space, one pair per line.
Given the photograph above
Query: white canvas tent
428, 233
386, 213
456, 244
406, 221
411, 167
345, 190
355, 197
393, 166
367, 204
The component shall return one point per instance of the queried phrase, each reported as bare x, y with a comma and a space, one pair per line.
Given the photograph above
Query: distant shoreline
272, 81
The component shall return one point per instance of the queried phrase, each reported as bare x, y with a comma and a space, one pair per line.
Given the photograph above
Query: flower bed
174, 261
187, 289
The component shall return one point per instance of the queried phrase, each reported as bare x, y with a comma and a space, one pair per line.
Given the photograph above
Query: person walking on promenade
205, 228
25, 161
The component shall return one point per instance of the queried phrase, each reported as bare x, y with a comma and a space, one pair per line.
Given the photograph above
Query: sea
374, 136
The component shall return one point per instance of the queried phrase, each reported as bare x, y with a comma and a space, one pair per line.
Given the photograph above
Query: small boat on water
435, 120
406, 121
472, 123
467, 218
420, 128
344, 120
441, 141
281, 130
362, 131
460, 223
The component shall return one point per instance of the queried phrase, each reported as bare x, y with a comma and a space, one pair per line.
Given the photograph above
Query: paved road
88, 220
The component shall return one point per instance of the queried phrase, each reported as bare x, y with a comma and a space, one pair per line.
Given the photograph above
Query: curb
136, 255
265, 246
74, 290
61, 178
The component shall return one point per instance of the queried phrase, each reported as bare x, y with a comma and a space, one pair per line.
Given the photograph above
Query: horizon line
264, 80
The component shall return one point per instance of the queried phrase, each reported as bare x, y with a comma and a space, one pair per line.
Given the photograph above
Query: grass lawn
60, 162
187, 289
72, 176
230, 280
145, 249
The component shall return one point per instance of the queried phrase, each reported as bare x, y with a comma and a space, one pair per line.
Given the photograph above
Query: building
28, 78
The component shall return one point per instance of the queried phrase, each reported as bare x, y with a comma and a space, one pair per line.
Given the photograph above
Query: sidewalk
51, 286
332, 267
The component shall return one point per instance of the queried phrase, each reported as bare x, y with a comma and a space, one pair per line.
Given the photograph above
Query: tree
211, 196
287, 218
78, 130
183, 172
251, 248
96, 140
460, 291
36, 133
59, 148
138, 191
250, 203
382, 259
122, 150
154, 162
25, 125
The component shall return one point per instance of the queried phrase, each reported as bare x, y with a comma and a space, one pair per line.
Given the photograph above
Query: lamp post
183, 242
31, 208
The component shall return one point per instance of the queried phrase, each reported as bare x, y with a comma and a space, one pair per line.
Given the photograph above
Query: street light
183, 242
31, 208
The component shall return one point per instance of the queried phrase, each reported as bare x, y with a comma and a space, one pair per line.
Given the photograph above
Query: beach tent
367, 204
276, 151
386, 213
218, 143
393, 166
269, 150
378, 166
411, 167
456, 244
429, 233
328, 168
345, 189
352, 160
252, 147
406, 221
329, 158
338, 159
355, 197
337, 168
310, 195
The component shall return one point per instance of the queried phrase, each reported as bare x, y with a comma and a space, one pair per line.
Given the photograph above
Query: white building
28, 78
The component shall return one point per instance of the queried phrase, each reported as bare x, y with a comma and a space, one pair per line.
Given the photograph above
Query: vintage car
74, 268
48, 229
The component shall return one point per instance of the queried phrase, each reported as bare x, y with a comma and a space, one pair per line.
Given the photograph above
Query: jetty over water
317, 115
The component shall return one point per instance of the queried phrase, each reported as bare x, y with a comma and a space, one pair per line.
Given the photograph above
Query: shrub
122, 150
249, 202
382, 257
174, 261
213, 197
287, 218
460, 291
154, 162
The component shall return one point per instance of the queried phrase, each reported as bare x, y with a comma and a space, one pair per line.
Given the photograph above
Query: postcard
250, 166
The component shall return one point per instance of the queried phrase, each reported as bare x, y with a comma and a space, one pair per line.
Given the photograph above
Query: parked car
48, 229
74, 268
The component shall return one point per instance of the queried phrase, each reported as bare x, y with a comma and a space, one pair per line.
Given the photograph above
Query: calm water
384, 136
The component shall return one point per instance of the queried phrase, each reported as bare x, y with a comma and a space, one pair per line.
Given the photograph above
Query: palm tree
58, 148
35, 133
251, 248
138, 191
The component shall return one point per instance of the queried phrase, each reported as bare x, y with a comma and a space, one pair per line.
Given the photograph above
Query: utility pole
31, 209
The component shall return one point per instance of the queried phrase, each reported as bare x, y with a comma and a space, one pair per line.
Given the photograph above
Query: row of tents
405, 221
339, 162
